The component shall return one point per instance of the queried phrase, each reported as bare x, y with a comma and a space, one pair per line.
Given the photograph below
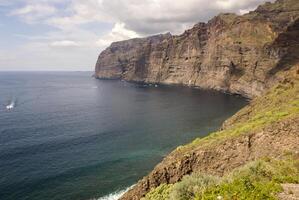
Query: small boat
10, 106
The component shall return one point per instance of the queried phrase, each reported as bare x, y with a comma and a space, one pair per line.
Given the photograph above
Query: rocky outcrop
290, 192
231, 53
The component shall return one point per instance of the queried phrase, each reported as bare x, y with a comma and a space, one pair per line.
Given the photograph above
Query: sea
69, 136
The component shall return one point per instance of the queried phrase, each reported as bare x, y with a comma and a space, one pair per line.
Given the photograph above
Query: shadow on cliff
287, 46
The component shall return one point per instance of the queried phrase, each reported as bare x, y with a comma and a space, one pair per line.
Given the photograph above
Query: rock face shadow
287, 46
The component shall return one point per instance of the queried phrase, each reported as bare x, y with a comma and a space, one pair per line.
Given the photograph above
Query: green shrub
256, 180
159, 193
191, 185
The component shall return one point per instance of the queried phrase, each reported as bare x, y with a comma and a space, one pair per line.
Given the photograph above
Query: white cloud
33, 13
118, 33
245, 11
143, 17
150, 17
80, 12
64, 43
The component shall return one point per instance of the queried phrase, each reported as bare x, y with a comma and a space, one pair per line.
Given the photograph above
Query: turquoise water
71, 137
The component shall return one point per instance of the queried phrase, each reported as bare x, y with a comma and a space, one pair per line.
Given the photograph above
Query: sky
68, 35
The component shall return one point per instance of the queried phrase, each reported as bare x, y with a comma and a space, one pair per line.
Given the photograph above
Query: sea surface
68, 136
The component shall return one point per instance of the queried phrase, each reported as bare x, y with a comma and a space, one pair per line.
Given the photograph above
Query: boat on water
10, 106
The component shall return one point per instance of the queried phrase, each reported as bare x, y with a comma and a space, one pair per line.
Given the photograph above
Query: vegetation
160, 193
191, 186
257, 180
279, 103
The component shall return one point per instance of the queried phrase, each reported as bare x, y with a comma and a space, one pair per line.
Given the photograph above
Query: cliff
231, 53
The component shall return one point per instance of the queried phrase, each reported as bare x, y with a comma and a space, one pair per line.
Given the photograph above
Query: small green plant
159, 193
191, 185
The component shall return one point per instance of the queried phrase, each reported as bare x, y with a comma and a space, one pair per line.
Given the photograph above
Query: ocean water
67, 136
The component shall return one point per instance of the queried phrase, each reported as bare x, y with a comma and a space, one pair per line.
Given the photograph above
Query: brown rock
290, 192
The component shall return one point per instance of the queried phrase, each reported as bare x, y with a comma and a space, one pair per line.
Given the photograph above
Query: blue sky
69, 34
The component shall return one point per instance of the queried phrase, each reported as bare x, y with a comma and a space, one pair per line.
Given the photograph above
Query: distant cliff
231, 53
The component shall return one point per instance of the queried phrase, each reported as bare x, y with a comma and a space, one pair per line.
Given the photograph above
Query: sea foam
115, 195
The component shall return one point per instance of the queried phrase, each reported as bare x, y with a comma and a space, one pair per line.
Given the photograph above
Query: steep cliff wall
231, 53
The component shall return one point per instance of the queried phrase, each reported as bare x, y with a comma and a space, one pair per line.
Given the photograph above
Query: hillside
267, 127
230, 53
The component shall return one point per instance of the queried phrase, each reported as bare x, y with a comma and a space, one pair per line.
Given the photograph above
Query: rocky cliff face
231, 53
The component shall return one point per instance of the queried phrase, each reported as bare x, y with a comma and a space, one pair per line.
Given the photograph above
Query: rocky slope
231, 53
268, 127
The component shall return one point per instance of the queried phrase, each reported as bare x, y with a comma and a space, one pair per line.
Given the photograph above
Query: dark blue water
73, 137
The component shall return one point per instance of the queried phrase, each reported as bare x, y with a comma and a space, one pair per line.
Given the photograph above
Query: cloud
149, 16
155, 16
80, 12
244, 11
118, 33
64, 43
143, 17
33, 13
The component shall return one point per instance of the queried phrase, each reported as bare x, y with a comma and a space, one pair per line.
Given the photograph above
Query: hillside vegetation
259, 179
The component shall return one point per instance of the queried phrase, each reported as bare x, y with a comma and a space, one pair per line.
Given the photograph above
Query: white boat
10, 106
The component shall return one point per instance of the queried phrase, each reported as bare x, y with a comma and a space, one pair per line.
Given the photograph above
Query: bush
192, 185
159, 193
256, 180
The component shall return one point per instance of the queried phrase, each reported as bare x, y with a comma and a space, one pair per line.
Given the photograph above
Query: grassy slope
257, 180
279, 103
